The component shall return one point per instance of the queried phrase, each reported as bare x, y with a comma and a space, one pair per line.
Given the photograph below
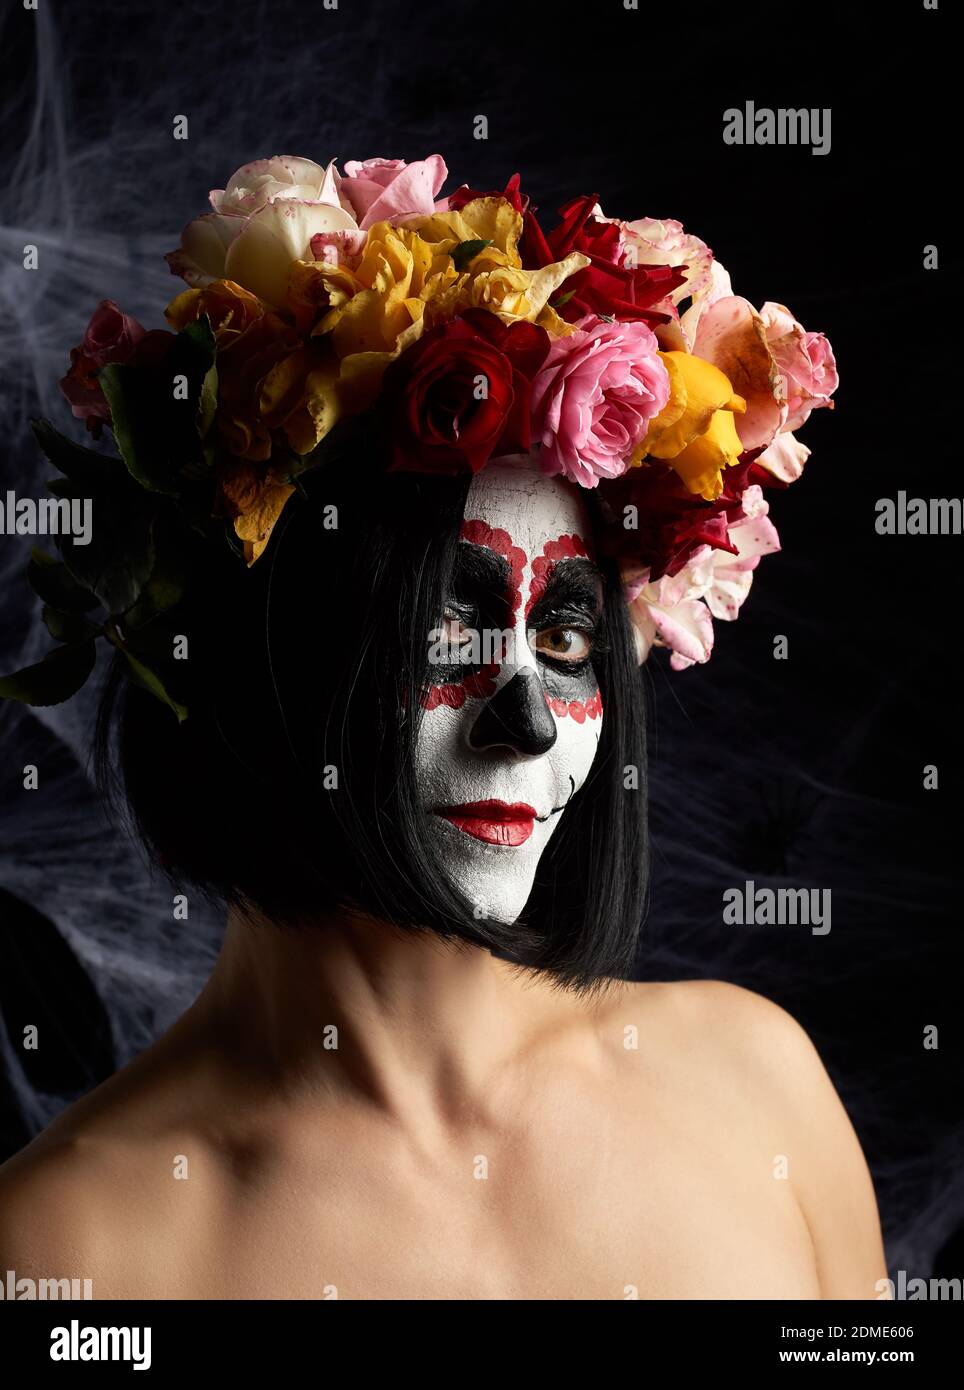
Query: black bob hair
313, 659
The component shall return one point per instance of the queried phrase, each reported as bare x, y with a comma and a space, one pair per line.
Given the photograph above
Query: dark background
806, 772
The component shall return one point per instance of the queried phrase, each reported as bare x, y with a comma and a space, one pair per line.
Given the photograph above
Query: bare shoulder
729, 1022
729, 1027
744, 1056
94, 1197
738, 1026
61, 1208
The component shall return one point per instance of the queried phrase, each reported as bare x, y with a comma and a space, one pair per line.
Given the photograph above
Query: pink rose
671, 613
732, 336
593, 399
727, 578
780, 370
806, 361
344, 248
386, 189
717, 286
785, 457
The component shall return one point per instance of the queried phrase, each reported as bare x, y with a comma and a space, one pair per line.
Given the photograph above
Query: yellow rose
252, 342
407, 281
230, 307
314, 288
397, 274
371, 313
695, 431
300, 396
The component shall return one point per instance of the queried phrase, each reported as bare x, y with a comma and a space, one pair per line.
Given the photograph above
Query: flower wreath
615, 350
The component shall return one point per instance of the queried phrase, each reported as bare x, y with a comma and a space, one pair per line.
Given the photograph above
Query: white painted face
510, 728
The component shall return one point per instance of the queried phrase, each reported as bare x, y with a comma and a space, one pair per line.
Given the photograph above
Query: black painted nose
516, 717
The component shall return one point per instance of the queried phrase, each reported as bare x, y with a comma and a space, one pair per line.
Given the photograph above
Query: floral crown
615, 352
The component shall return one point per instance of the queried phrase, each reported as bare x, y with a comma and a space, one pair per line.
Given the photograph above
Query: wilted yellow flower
507, 291
493, 278
255, 497
494, 220
554, 324
315, 287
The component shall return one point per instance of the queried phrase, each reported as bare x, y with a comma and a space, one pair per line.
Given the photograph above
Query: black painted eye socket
458, 626
463, 643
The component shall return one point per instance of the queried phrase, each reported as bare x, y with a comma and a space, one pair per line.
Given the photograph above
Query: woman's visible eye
455, 627
567, 644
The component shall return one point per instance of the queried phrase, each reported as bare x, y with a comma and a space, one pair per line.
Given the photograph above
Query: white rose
263, 221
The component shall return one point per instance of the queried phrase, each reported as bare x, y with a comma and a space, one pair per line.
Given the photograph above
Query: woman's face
512, 717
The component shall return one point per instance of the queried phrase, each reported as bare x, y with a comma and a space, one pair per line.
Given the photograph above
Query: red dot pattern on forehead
562, 548
480, 533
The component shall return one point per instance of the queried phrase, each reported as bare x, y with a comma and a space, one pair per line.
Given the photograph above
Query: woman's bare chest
581, 1219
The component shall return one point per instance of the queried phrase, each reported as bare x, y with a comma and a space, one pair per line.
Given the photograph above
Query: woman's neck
402, 1019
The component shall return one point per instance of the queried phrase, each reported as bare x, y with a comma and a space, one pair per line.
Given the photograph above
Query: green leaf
201, 335
69, 627
118, 560
140, 424
149, 679
208, 403
561, 299
197, 349
164, 588
74, 460
467, 251
53, 582
53, 680
157, 434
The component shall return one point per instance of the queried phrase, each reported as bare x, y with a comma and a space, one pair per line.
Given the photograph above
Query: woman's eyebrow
479, 570
574, 582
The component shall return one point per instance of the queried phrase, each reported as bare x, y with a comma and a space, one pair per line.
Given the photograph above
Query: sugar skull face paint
512, 717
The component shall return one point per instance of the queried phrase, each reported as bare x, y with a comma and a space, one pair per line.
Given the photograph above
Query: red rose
526, 346
510, 193
603, 287
672, 521
462, 392
83, 393
111, 336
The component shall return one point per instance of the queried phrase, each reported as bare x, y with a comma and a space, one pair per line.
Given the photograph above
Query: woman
410, 756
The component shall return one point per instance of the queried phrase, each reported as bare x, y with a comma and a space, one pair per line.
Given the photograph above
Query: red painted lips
495, 822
